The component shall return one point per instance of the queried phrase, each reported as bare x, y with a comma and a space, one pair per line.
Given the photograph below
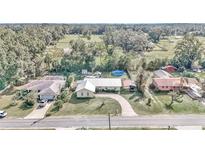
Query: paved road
125, 105
102, 121
39, 113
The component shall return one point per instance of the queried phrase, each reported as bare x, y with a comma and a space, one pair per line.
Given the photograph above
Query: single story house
169, 68
162, 74
87, 87
167, 84
106, 83
48, 88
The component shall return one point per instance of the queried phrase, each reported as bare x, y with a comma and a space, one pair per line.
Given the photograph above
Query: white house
85, 89
88, 86
106, 83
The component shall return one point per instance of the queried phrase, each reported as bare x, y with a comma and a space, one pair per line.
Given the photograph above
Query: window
81, 93
162, 86
166, 86
87, 93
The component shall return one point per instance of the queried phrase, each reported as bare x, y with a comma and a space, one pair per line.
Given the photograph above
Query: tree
141, 82
187, 52
175, 97
31, 99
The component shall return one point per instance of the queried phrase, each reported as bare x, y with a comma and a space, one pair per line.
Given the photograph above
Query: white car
3, 114
42, 103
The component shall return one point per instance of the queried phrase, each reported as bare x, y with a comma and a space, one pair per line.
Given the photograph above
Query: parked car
42, 103
3, 114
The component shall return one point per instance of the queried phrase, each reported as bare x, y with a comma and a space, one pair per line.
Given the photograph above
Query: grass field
64, 43
87, 106
13, 111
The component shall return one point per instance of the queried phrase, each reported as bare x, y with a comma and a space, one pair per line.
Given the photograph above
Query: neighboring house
169, 68
167, 84
197, 68
89, 86
162, 74
48, 88
85, 89
128, 84
56, 77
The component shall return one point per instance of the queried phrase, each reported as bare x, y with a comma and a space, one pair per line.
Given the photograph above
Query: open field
64, 43
13, 111
93, 106
165, 48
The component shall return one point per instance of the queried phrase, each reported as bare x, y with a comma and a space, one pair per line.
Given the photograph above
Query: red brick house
169, 68
167, 84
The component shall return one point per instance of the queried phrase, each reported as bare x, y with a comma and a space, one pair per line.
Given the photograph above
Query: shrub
188, 74
69, 80
58, 104
31, 99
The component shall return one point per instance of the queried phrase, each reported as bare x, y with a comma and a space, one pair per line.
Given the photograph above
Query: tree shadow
24, 106
55, 109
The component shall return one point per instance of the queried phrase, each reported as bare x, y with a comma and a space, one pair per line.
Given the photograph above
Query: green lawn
13, 111
64, 43
199, 75
86, 106
188, 106
162, 50
139, 104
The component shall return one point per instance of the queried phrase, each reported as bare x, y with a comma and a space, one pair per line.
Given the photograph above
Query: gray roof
55, 77
162, 74
105, 82
85, 85
46, 87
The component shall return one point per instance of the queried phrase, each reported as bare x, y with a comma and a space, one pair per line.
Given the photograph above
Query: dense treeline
22, 50
23, 47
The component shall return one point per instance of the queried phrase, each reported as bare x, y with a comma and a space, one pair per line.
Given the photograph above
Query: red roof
127, 82
167, 82
169, 66
174, 82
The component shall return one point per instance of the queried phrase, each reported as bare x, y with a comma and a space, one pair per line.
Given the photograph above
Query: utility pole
109, 122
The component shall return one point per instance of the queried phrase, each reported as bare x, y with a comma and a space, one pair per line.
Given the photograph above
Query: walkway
125, 105
38, 113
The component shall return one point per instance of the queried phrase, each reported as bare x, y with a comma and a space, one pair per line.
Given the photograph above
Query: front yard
139, 104
18, 110
86, 106
188, 106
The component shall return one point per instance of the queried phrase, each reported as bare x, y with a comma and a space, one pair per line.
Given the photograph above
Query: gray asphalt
102, 121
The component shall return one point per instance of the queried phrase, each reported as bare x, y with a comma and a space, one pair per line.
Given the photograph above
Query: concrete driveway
125, 105
39, 113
